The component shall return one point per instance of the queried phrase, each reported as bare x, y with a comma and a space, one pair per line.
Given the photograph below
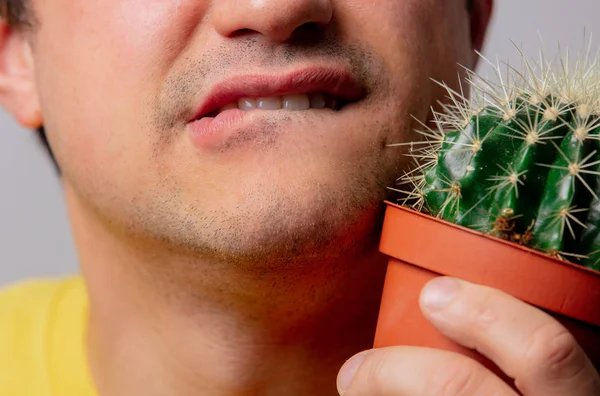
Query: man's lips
335, 82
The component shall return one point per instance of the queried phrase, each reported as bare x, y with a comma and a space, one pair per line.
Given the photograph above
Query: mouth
311, 88
291, 102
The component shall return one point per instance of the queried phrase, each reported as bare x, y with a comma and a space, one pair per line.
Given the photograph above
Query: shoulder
27, 304
27, 312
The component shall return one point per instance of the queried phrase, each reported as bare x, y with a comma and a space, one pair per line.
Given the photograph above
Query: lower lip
211, 132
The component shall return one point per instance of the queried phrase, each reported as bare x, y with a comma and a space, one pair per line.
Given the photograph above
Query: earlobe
18, 92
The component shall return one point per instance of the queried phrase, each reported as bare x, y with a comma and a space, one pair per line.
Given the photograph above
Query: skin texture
251, 268
170, 194
541, 357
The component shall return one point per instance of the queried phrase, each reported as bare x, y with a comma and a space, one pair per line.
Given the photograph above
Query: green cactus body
524, 169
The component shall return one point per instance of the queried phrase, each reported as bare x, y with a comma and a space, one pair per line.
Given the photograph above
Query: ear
481, 15
18, 93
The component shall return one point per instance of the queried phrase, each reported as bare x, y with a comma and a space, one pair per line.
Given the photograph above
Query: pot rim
558, 286
526, 249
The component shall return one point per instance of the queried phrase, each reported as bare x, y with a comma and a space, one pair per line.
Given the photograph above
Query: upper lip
336, 82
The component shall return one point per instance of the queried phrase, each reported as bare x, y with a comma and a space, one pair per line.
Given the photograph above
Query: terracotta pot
422, 247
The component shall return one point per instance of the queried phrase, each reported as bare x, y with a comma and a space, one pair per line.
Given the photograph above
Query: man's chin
281, 230
302, 238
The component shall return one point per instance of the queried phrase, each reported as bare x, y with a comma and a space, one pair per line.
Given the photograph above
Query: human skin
249, 266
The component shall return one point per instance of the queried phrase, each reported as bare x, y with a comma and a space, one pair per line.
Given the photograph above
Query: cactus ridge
518, 158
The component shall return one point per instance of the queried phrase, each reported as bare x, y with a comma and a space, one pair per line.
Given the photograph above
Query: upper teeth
287, 102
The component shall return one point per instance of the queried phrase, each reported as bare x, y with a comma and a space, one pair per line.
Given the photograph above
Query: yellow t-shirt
42, 339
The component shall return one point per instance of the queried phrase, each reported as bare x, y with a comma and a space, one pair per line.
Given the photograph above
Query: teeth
331, 103
247, 104
287, 102
317, 101
269, 103
296, 102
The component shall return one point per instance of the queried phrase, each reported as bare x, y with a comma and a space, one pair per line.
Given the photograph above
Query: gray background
34, 232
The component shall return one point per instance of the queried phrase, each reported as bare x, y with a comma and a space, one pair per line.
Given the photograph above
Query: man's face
122, 82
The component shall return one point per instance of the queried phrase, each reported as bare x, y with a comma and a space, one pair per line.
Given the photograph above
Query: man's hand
526, 343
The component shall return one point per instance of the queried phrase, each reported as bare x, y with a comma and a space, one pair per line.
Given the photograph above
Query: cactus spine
519, 159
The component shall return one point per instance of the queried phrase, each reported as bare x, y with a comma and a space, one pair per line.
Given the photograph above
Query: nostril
308, 33
277, 20
242, 33
310, 26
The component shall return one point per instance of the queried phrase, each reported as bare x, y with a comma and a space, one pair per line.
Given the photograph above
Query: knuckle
482, 314
552, 349
455, 377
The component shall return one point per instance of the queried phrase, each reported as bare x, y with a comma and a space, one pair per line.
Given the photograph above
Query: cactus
519, 159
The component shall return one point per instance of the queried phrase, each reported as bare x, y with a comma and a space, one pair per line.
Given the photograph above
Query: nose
275, 19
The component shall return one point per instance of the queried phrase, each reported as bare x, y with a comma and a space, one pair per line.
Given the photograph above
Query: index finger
525, 342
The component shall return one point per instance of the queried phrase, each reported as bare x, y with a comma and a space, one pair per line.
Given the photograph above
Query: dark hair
470, 4
18, 15
15, 12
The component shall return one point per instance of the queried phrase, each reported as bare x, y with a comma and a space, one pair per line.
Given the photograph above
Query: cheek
417, 40
123, 32
97, 63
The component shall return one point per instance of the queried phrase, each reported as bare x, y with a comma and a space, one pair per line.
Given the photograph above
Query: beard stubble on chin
270, 226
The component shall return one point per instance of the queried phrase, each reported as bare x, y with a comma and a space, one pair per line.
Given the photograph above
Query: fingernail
439, 292
348, 371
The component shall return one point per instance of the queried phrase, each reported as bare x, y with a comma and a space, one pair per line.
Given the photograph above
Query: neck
174, 324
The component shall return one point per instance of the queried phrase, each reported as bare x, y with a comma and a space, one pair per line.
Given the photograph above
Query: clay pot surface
422, 247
